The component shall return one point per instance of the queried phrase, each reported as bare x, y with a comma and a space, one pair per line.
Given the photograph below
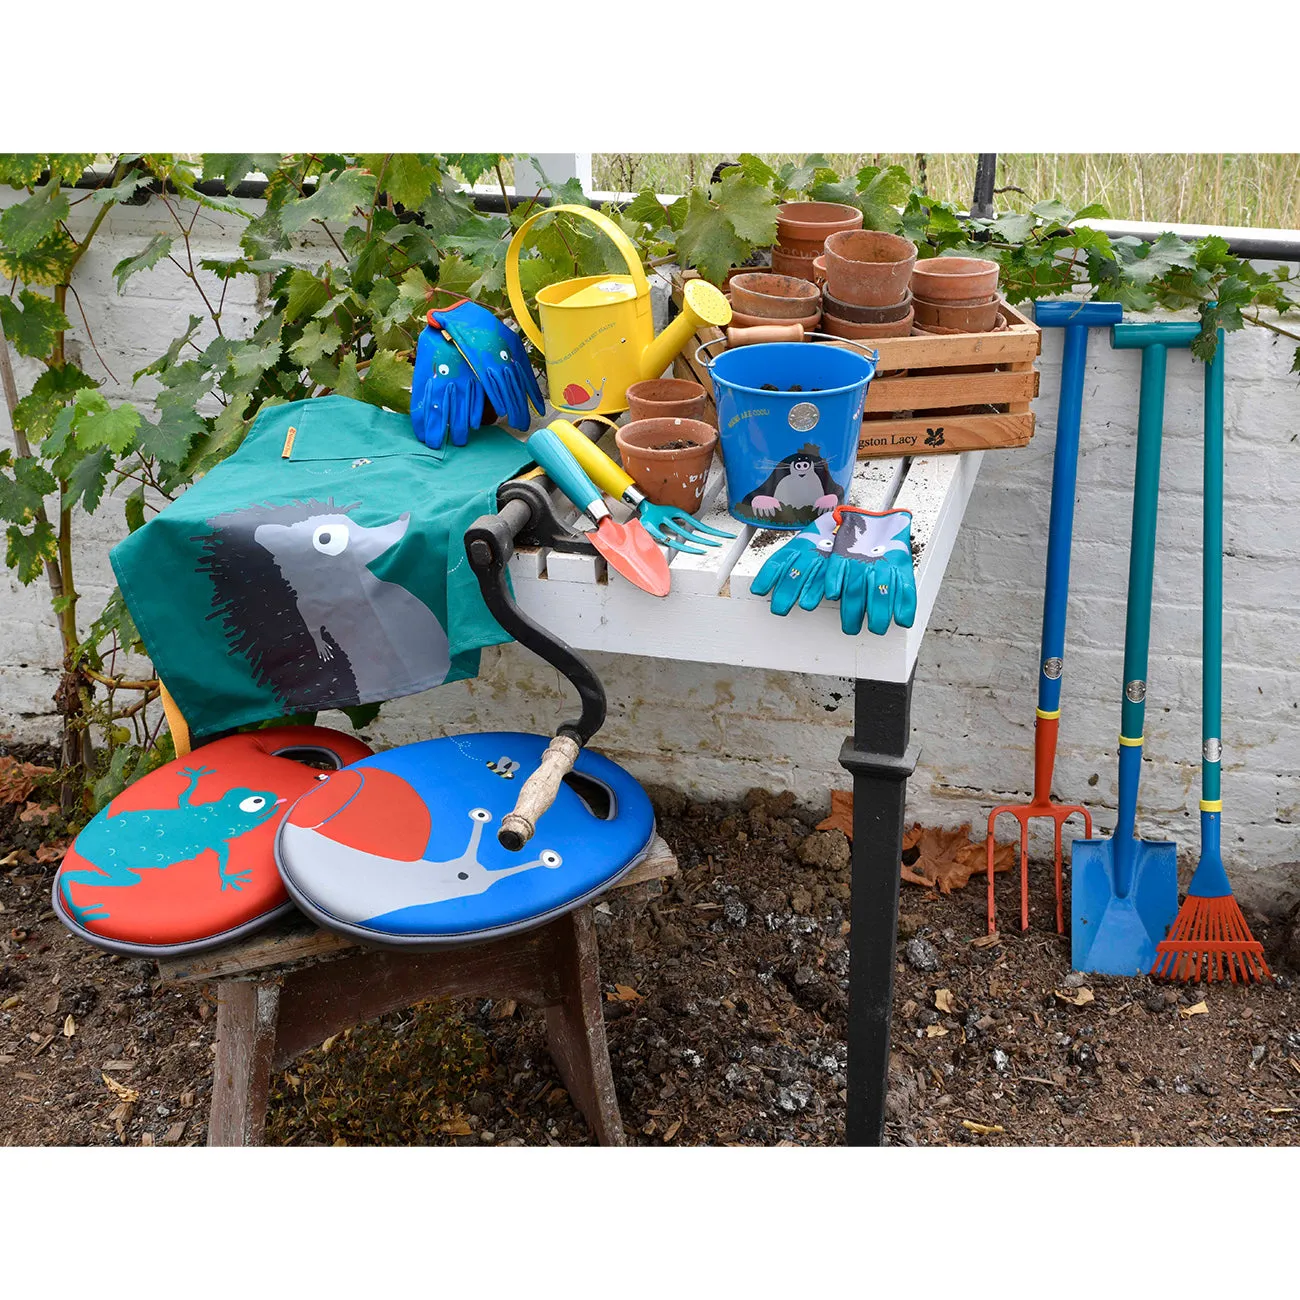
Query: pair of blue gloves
861, 558
466, 357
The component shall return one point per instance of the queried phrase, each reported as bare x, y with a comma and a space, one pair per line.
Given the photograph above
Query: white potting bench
711, 617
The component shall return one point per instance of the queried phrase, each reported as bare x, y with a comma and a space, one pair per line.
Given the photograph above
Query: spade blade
631, 551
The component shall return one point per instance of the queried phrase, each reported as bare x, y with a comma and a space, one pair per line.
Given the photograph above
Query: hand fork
667, 525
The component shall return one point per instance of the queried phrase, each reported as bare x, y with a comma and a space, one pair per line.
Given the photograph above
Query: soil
725, 1014
677, 444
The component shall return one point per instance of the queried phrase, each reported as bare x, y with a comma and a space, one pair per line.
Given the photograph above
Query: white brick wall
715, 731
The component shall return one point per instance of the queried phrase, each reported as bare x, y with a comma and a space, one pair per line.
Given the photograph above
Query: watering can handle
519, 303
871, 353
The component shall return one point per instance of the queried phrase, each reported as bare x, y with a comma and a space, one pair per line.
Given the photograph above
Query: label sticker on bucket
804, 416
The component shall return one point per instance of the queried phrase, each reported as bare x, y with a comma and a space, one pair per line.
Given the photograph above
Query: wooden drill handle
538, 793
740, 335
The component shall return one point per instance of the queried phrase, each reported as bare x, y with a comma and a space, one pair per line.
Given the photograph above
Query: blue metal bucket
789, 419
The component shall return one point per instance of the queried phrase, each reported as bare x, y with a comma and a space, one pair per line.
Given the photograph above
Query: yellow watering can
596, 332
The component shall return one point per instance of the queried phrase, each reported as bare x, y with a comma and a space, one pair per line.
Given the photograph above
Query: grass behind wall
1244, 189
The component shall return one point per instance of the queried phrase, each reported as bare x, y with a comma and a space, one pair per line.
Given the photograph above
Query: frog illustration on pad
121, 845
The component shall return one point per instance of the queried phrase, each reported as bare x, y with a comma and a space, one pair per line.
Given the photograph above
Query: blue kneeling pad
400, 849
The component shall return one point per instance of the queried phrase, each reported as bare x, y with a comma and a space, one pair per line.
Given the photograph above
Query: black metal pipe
981, 206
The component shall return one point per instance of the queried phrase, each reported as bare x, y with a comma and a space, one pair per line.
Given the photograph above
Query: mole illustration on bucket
789, 419
597, 332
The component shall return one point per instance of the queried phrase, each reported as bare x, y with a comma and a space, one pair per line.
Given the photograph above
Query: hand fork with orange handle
1075, 319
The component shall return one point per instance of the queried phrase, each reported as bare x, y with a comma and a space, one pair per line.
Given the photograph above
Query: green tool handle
1142, 544
1212, 581
607, 475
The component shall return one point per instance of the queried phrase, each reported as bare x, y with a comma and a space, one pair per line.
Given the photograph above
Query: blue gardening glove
498, 358
445, 395
869, 570
795, 573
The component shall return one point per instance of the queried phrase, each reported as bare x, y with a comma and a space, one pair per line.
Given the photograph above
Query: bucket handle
871, 354
515, 291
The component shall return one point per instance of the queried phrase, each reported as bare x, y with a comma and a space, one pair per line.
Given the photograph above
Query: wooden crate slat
939, 434
925, 392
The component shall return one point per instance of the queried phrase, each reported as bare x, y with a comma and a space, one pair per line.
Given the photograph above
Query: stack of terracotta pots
956, 295
866, 294
802, 230
783, 306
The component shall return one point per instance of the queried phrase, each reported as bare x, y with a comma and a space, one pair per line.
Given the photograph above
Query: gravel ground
725, 1013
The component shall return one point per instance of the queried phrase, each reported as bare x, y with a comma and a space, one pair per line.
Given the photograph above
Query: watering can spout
702, 304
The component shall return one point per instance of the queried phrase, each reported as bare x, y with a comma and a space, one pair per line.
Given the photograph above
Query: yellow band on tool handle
602, 471
1049, 714
1212, 805
1130, 740
518, 300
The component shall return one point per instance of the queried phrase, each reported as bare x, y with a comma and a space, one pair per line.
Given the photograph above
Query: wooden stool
293, 986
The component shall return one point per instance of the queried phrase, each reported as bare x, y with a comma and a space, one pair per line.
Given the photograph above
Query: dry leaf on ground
986, 940
1200, 1009
622, 993
1076, 997
38, 814
982, 1129
935, 1031
943, 999
18, 780
946, 860
841, 818
69, 1027
128, 1095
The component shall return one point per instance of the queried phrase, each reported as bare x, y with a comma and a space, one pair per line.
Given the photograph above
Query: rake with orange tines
1210, 939
1075, 319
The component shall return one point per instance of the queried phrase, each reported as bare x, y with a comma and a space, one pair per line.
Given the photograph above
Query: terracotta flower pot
681, 399
949, 279
805, 227
746, 321
819, 270
775, 297
869, 268
669, 475
848, 329
832, 306
948, 329
799, 265
976, 318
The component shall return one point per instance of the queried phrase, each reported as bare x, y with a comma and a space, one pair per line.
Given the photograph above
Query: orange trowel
628, 548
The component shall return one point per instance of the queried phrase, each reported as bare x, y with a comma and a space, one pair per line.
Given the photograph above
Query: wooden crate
933, 393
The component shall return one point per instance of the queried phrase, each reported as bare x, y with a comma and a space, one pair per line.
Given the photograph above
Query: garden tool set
1075, 319
1210, 938
1125, 890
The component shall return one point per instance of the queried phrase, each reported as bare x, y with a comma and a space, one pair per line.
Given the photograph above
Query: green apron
322, 565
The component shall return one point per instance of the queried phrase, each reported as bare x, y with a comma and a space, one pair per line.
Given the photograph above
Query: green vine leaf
231, 168
27, 553
21, 169
336, 199
319, 339
124, 190
97, 424
133, 508
28, 224
69, 167
305, 295
152, 253
473, 165
24, 485
1168, 253
388, 382
169, 358
87, 480
882, 192
33, 324
47, 263
407, 178
36, 413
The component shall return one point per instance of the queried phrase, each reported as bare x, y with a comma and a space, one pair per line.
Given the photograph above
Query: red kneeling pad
184, 859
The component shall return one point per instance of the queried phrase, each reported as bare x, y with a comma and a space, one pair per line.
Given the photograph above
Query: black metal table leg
880, 759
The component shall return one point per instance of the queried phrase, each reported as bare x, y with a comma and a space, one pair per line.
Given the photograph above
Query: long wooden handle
739, 336
538, 793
